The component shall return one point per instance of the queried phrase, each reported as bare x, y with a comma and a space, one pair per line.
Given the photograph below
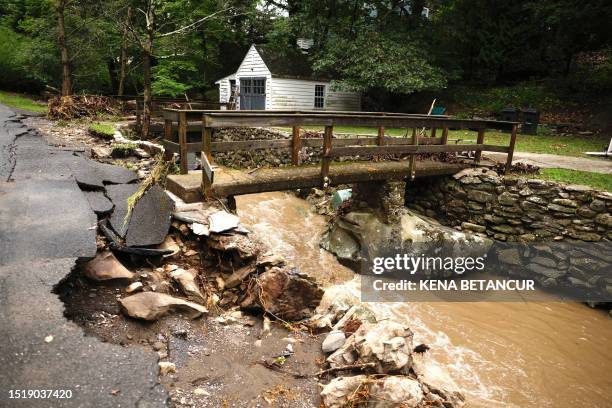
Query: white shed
270, 80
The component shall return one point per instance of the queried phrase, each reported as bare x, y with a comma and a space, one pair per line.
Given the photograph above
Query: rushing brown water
546, 354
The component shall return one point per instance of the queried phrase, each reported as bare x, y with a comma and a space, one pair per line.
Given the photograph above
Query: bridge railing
331, 148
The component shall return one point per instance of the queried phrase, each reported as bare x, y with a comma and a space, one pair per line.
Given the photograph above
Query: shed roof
288, 63
230, 76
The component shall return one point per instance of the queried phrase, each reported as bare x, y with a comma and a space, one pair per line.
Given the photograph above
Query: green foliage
595, 180
371, 61
491, 100
175, 78
373, 46
22, 102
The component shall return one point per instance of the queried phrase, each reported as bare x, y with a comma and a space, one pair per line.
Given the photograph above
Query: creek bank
560, 235
514, 209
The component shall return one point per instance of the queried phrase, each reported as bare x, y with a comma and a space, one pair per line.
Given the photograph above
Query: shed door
252, 93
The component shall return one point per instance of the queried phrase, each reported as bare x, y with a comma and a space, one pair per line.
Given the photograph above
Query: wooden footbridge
216, 181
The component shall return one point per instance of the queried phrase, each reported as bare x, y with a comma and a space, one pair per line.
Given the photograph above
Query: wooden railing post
327, 145
295, 146
479, 140
444, 136
381, 136
511, 149
183, 142
168, 155
433, 132
206, 157
415, 141
206, 138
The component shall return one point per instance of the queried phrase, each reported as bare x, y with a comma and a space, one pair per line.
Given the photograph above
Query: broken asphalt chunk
150, 219
98, 202
93, 174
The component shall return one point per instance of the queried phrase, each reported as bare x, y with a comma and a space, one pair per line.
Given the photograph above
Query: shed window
319, 100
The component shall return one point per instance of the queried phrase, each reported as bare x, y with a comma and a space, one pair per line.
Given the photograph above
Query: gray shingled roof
290, 63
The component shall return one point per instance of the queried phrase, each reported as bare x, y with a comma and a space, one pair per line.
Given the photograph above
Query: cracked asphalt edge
41, 349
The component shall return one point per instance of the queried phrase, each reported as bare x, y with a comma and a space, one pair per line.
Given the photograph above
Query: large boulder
386, 344
106, 267
439, 386
359, 236
151, 306
285, 293
395, 391
361, 390
340, 392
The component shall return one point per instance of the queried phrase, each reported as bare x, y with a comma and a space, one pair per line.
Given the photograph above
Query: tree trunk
112, 74
65, 59
148, 52
568, 64
124, 53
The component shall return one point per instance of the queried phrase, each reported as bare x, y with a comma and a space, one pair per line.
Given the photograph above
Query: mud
217, 364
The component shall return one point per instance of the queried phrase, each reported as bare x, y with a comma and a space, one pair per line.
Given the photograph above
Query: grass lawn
544, 143
103, 129
595, 180
18, 101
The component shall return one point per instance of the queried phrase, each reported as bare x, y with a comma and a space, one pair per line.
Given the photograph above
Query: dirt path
549, 161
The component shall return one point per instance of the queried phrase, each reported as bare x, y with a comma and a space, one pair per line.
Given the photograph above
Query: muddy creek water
548, 354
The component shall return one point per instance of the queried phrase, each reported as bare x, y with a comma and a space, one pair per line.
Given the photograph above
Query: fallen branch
274, 367
346, 367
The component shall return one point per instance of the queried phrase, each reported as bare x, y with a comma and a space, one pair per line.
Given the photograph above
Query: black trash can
509, 115
531, 119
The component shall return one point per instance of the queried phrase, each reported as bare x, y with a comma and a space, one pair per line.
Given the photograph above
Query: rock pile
393, 374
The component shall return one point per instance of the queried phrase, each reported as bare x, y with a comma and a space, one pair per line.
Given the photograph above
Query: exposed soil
216, 363
74, 134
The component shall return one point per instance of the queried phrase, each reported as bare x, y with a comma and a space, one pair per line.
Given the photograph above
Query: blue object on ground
340, 196
438, 110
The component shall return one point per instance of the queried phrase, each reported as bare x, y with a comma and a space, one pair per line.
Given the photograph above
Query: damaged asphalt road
46, 224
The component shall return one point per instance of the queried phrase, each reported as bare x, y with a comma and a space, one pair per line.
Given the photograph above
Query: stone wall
559, 235
514, 209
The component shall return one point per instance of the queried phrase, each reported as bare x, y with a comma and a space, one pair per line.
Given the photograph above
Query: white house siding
297, 94
224, 90
284, 93
252, 66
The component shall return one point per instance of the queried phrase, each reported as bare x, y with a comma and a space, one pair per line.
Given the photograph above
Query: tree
380, 46
124, 56
60, 8
159, 21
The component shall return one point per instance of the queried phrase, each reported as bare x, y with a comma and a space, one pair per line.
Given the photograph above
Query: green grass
123, 149
102, 129
17, 101
545, 142
595, 180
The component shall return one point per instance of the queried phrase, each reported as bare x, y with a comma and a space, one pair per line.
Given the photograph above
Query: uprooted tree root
78, 106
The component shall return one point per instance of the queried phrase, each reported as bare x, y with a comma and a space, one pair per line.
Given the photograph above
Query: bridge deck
229, 182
